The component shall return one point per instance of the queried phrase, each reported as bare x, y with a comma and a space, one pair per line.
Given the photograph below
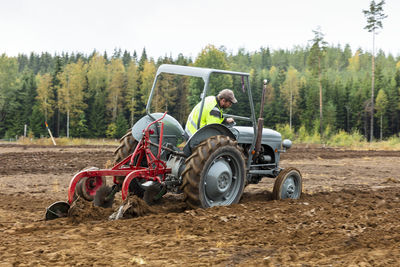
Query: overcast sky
171, 27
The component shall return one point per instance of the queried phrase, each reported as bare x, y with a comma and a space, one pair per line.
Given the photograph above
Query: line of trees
96, 95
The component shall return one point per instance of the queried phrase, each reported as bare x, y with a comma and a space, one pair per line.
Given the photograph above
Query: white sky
171, 27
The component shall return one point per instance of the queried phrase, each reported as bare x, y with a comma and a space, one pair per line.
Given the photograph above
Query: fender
205, 133
173, 131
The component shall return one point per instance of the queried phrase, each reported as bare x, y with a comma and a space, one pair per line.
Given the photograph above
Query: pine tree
8, 88
97, 122
97, 78
139, 103
126, 58
121, 126
79, 126
55, 121
374, 17
36, 122
381, 106
25, 99
317, 53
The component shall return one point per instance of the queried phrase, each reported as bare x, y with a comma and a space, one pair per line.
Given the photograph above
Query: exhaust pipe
260, 123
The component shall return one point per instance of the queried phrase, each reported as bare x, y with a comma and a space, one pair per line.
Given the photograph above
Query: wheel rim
291, 187
221, 183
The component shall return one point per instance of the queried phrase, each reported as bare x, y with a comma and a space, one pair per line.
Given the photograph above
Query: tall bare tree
290, 91
374, 17
317, 53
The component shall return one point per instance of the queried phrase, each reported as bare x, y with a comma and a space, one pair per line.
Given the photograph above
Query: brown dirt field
347, 216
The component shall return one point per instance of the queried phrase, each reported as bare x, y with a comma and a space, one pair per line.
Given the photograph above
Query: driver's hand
230, 120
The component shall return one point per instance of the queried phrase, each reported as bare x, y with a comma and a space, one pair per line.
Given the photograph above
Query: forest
100, 95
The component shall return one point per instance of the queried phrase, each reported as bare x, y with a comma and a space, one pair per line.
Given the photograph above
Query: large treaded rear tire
215, 173
126, 147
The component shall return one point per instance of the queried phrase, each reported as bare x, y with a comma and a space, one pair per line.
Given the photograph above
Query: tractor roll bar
205, 73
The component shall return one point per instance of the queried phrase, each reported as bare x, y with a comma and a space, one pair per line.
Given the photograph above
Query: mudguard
205, 133
173, 131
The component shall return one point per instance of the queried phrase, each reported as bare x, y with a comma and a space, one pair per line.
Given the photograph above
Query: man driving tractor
212, 111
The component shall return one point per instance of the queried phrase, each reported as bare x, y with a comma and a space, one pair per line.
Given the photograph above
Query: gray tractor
212, 169
216, 163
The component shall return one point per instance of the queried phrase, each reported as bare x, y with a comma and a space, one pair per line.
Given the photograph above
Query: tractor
211, 168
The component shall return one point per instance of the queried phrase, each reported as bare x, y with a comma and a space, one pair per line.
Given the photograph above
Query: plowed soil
348, 215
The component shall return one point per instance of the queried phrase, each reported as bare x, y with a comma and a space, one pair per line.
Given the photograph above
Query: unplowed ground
348, 216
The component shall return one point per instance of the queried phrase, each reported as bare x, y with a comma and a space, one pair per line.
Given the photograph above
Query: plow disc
104, 197
57, 210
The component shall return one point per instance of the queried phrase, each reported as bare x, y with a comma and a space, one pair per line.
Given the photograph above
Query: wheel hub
289, 188
223, 181
218, 180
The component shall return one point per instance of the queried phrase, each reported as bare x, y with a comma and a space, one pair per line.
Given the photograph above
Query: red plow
90, 182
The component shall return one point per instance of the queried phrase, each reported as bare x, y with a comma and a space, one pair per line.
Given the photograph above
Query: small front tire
288, 184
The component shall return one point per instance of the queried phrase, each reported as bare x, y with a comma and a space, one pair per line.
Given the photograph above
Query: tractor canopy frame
205, 74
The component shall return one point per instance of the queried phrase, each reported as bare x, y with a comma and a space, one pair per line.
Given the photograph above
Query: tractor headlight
287, 144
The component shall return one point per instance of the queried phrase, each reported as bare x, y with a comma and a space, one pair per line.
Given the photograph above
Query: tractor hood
245, 135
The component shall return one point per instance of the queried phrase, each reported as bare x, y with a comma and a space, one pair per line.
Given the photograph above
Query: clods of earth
347, 216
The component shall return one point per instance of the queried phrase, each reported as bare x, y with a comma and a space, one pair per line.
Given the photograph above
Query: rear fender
205, 133
173, 131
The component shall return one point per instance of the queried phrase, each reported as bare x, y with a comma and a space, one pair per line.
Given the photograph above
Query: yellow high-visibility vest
212, 113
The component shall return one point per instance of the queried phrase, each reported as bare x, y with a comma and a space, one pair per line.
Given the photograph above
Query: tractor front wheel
215, 173
288, 184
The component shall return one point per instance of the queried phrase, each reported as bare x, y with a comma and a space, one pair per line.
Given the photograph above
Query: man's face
225, 103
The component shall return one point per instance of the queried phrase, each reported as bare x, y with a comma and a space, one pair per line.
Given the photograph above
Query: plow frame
156, 170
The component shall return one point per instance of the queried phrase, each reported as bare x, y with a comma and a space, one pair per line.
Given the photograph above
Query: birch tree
290, 91
45, 95
131, 89
116, 87
71, 93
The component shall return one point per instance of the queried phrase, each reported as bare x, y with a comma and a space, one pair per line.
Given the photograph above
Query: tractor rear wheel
288, 184
215, 173
127, 145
